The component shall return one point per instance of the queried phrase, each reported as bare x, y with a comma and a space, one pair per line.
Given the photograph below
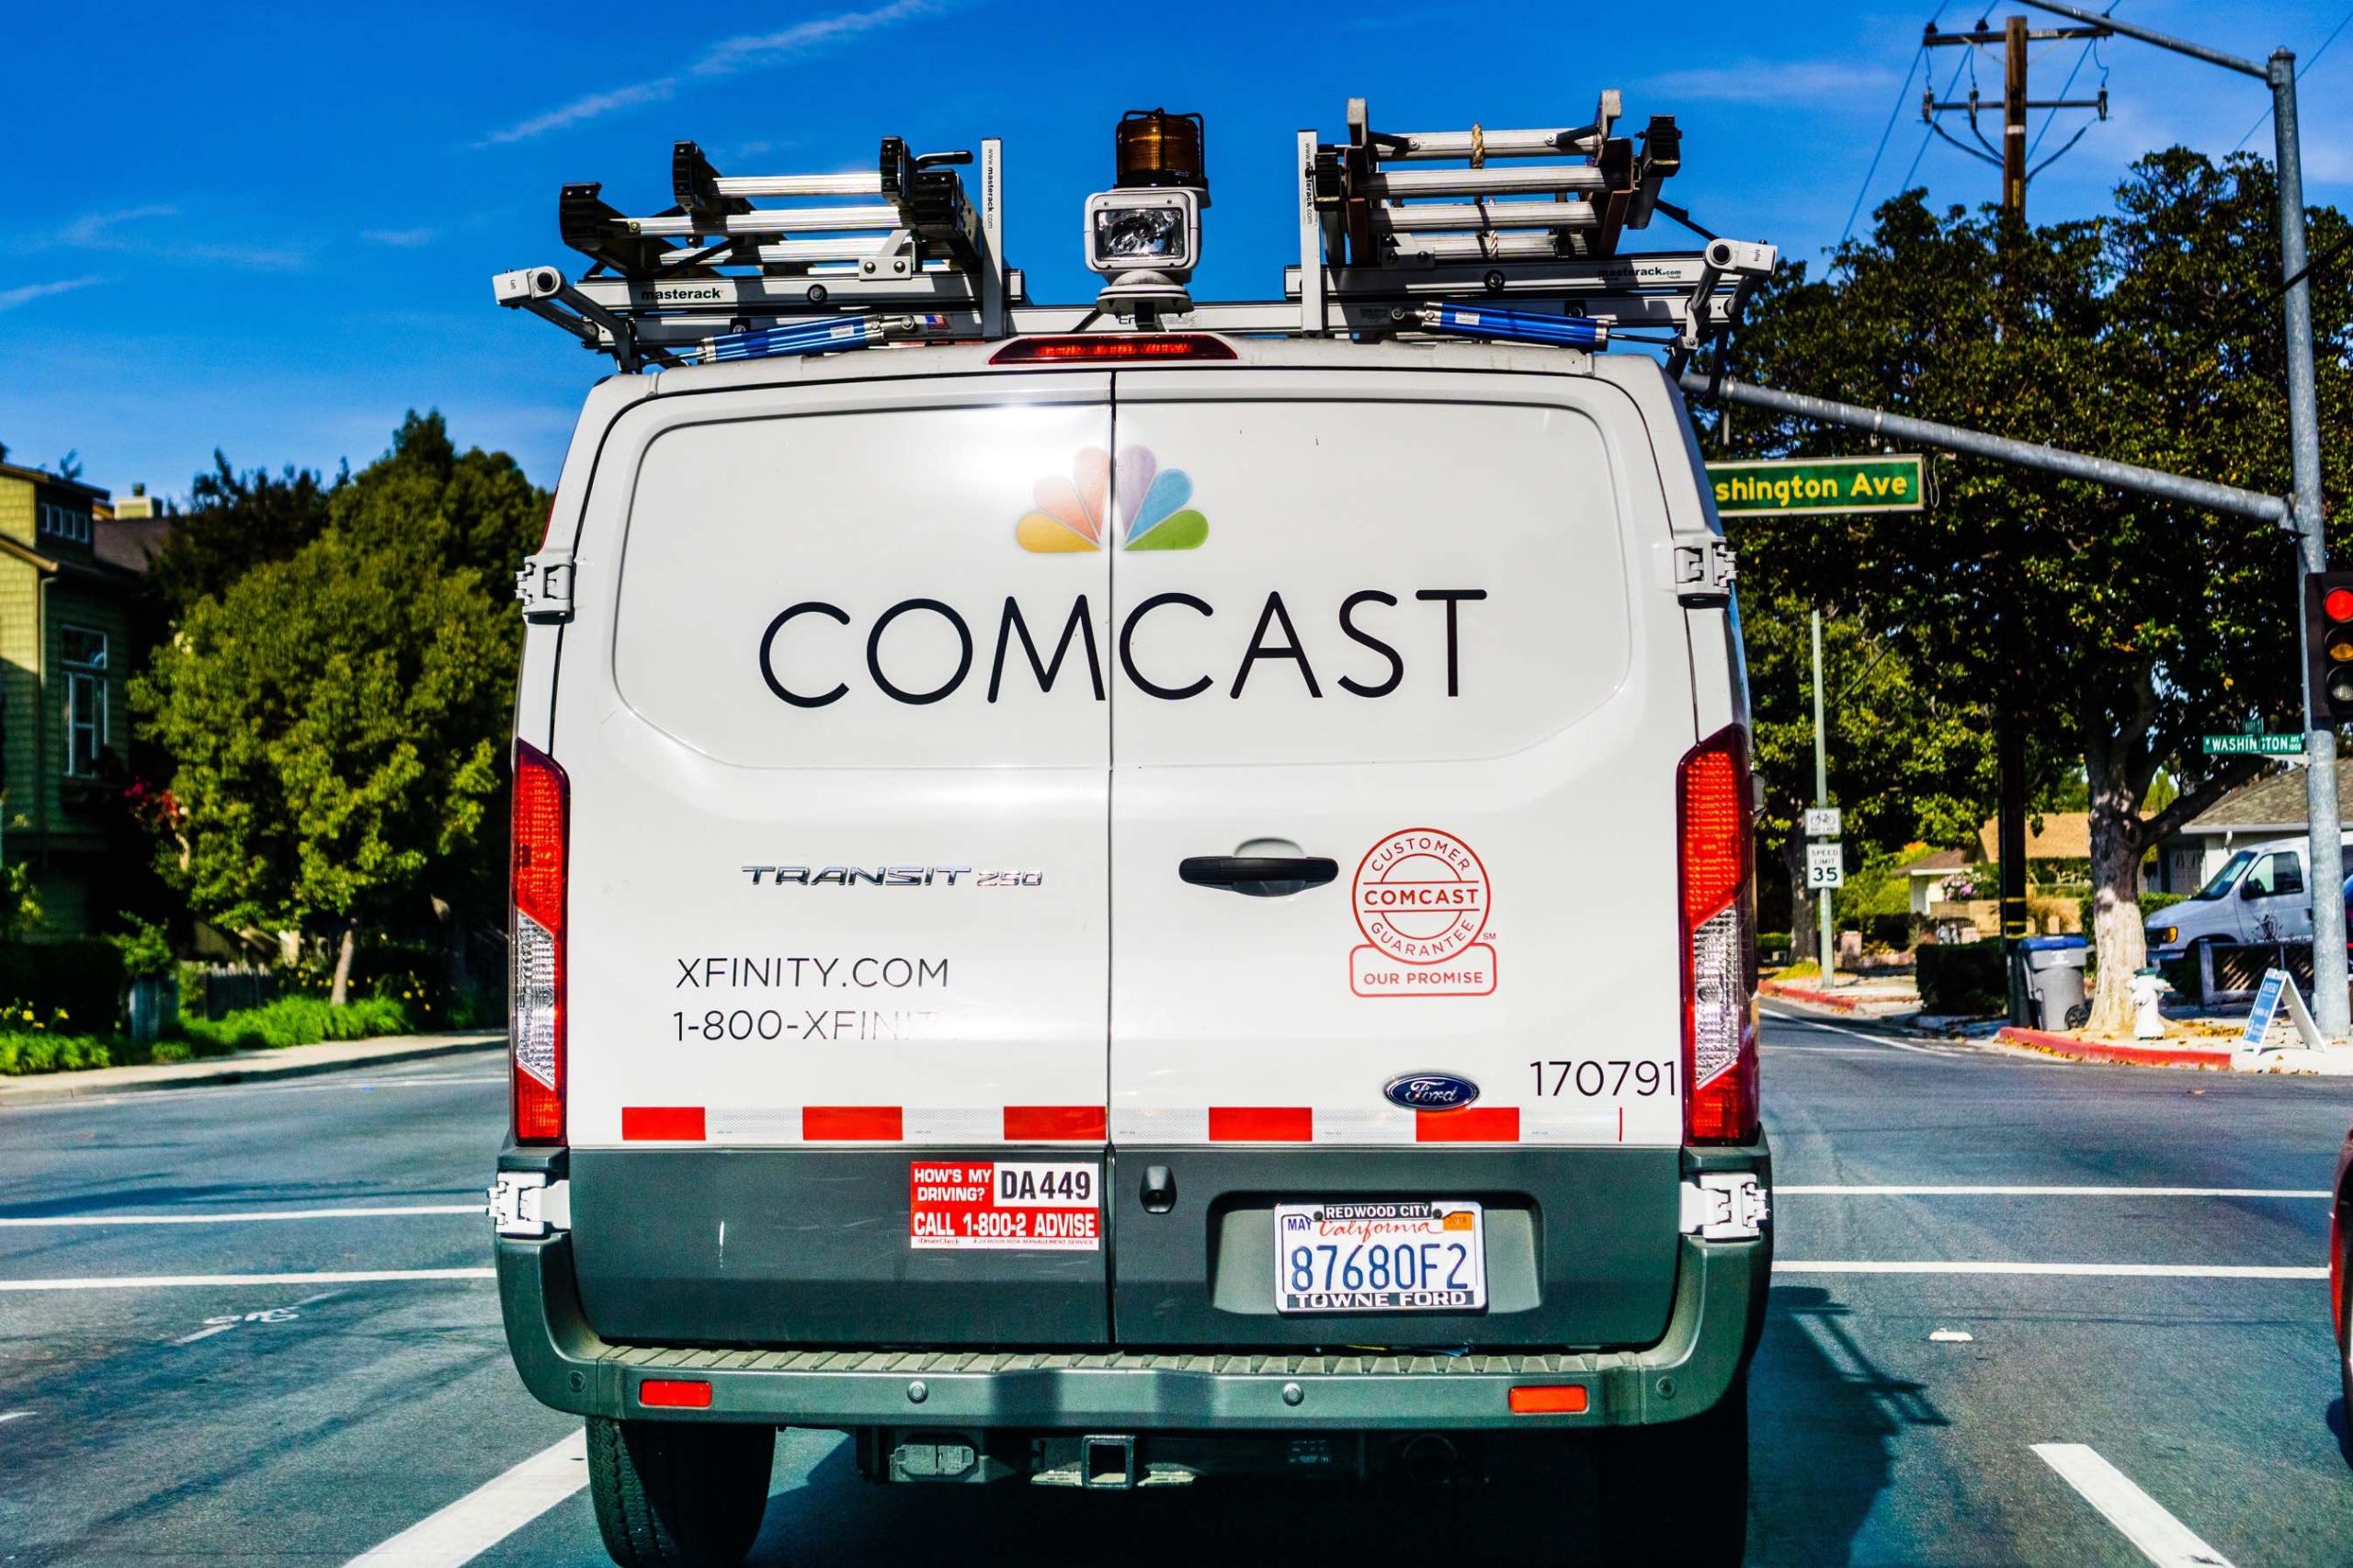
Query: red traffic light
2338, 604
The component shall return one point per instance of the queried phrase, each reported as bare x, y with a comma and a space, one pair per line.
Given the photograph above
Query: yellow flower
28, 1014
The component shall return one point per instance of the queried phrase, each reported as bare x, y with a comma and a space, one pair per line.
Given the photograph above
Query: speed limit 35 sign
1825, 866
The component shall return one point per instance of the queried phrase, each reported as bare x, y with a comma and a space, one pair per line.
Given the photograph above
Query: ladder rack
1393, 227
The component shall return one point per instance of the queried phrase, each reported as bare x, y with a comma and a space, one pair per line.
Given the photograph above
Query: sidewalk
243, 1066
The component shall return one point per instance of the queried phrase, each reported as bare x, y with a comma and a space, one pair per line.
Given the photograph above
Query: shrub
294, 1020
1962, 979
84, 978
1891, 932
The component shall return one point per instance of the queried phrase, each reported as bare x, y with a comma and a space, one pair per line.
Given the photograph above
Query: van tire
677, 1494
1679, 1493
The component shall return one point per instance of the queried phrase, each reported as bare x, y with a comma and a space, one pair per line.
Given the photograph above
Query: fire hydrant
2147, 1022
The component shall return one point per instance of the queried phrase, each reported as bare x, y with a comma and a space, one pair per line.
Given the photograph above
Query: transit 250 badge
1421, 898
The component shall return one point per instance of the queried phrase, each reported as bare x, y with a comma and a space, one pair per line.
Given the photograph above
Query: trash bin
2054, 977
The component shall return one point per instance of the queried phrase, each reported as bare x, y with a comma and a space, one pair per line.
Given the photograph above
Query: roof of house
42, 476
2065, 835
1941, 863
130, 542
2275, 801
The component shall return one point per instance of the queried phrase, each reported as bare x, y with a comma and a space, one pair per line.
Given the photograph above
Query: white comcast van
1126, 907
1063, 913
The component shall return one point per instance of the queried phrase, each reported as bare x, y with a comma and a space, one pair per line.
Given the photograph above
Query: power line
2307, 65
1929, 135
1901, 93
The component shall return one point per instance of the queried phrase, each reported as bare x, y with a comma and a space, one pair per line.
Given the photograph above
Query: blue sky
271, 228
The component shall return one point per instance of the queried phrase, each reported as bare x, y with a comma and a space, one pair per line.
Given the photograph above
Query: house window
83, 653
63, 522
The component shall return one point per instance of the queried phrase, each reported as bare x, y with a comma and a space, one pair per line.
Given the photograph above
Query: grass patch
26, 1054
289, 1021
294, 1020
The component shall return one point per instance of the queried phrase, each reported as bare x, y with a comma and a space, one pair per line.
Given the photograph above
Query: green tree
235, 522
337, 717
2118, 626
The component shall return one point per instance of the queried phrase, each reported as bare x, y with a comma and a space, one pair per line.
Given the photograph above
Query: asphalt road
311, 1420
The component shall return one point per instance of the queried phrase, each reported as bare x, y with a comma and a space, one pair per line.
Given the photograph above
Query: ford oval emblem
1430, 1091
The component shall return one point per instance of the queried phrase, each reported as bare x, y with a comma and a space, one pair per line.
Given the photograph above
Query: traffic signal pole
2330, 1004
1822, 798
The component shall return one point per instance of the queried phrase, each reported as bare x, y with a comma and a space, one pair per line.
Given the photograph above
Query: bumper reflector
675, 1394
1565, 1399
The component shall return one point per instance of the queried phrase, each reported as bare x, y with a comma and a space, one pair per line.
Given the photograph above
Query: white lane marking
8, 1415
44, 1221
1803, 1022
1785, 1189
204, 1333
2126, 1271
488, 1515
1953, 1336
2141, 1518
160, 1281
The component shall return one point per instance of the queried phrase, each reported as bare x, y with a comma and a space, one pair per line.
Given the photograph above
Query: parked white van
1054, 926
2258, 896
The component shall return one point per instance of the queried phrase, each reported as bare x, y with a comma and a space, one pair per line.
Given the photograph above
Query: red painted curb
2100, 1050
1802, 993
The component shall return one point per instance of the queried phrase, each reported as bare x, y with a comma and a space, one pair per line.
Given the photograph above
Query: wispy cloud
101, 228
399, 239
11, 298
1772, 82
749, 52
160, 231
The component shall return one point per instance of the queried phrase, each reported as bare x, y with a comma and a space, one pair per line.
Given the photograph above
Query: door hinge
544, 584
525, 1203
1724, 1206
1703, 572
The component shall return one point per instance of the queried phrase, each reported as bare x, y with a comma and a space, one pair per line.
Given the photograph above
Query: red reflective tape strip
662, 1123
1478, 1124
852, 1123
1036, 1124
678, 1393
1261, 1124
1560, 1399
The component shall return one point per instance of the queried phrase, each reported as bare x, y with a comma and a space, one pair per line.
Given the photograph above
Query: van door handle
1258, 876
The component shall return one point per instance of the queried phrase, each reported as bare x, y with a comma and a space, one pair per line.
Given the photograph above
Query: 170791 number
1593, 1076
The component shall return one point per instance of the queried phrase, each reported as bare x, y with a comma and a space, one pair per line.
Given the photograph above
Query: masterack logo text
1075, 515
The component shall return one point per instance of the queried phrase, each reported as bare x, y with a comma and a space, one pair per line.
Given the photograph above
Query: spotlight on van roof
1145, 232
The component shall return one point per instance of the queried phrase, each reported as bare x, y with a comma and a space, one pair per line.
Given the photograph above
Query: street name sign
1777, 486
1822, 821
2253, 745
1825, 866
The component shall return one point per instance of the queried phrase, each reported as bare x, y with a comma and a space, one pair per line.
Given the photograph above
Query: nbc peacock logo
1075, 513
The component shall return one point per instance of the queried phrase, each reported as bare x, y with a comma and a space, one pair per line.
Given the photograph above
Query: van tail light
1715, 827
535, 1028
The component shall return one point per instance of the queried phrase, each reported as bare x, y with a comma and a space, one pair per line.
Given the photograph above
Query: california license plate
1402, 1256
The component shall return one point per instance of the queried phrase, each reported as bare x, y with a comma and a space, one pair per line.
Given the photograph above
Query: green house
71, 624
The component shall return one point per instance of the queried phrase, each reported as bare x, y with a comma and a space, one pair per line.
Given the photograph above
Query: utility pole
2330, 1001
2010, 725
1822, 798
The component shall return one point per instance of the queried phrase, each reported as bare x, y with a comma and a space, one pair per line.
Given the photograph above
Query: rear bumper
1711, 1333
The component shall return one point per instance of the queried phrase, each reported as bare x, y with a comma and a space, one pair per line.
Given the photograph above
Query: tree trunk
344, 949
2116, 934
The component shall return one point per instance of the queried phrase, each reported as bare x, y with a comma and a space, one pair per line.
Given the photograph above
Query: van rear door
832, 710
1394, 847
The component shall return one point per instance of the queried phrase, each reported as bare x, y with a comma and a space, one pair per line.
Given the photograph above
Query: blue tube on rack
1516, 326
829, 336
